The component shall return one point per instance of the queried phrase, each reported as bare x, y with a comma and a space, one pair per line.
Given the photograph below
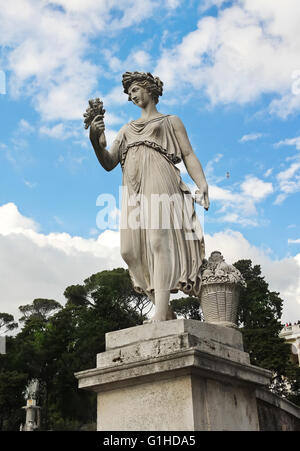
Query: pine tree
259, 319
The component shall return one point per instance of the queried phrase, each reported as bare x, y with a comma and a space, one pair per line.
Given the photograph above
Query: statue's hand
201, 197
97, 131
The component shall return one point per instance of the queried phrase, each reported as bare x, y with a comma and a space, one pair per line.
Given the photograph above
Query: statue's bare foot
170, 315
152, 320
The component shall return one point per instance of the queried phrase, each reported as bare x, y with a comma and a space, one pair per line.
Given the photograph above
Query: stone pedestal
180, 375
33, 418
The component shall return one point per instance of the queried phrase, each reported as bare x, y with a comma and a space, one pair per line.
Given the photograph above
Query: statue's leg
170, 313
161, 305
161, 275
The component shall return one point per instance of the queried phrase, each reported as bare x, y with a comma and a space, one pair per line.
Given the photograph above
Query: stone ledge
277, 401
189, 361
158, 347
225, 335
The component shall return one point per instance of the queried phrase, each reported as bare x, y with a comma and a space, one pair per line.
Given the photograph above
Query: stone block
175, 375
224, 335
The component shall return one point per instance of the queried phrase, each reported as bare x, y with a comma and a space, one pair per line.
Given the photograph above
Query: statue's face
139, 95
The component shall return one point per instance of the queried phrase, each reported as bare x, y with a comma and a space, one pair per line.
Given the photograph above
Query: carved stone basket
219, 303
220, 292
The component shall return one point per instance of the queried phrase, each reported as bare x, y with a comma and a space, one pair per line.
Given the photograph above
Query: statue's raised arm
94, 118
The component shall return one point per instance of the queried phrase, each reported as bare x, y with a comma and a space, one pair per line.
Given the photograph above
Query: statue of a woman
161, 257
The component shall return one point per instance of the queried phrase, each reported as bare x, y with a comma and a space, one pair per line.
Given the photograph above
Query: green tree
105, 302
187, 307
40, 309
7, 323
55, 342
12, 384
259, 318
26, 354
117, 286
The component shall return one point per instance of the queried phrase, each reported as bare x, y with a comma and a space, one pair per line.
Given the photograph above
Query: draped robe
162, 248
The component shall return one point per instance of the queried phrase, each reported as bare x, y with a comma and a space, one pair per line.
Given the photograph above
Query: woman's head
152, 84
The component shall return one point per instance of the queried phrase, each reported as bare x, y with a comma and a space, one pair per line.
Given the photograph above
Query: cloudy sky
231, 72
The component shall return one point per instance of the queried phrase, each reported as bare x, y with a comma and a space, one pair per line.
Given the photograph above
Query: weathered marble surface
175, 375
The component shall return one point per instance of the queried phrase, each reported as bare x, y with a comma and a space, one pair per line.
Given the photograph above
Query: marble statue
161, 258
32, 389
33, 414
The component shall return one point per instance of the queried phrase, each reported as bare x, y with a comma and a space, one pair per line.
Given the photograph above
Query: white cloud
268, 172
182, 168
210, 168
285, 106
286, 175
251, 137
138, 60
45, 46
290, 241
173, 3
113, 119
29, 184
290, 142
58, 131
289, 178
110, 136
66, 130
34, 264
249, 49
25, 127
256, 188
280, 199
206, 4
238, 218
238, 204
115, 97
12, 221
222, 194
141, 58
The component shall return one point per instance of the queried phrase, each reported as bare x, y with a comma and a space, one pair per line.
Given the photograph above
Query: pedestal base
179, 375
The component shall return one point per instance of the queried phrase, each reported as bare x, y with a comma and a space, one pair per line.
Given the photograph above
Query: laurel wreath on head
131, 77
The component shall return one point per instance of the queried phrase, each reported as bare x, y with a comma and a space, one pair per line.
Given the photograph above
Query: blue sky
231, 72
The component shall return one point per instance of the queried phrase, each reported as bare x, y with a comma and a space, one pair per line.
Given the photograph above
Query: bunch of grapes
95, 109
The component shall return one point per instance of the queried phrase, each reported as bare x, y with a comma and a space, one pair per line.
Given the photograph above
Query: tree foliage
56, 341
7, 323
259, 318
11, 400
40, 309
187, 307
